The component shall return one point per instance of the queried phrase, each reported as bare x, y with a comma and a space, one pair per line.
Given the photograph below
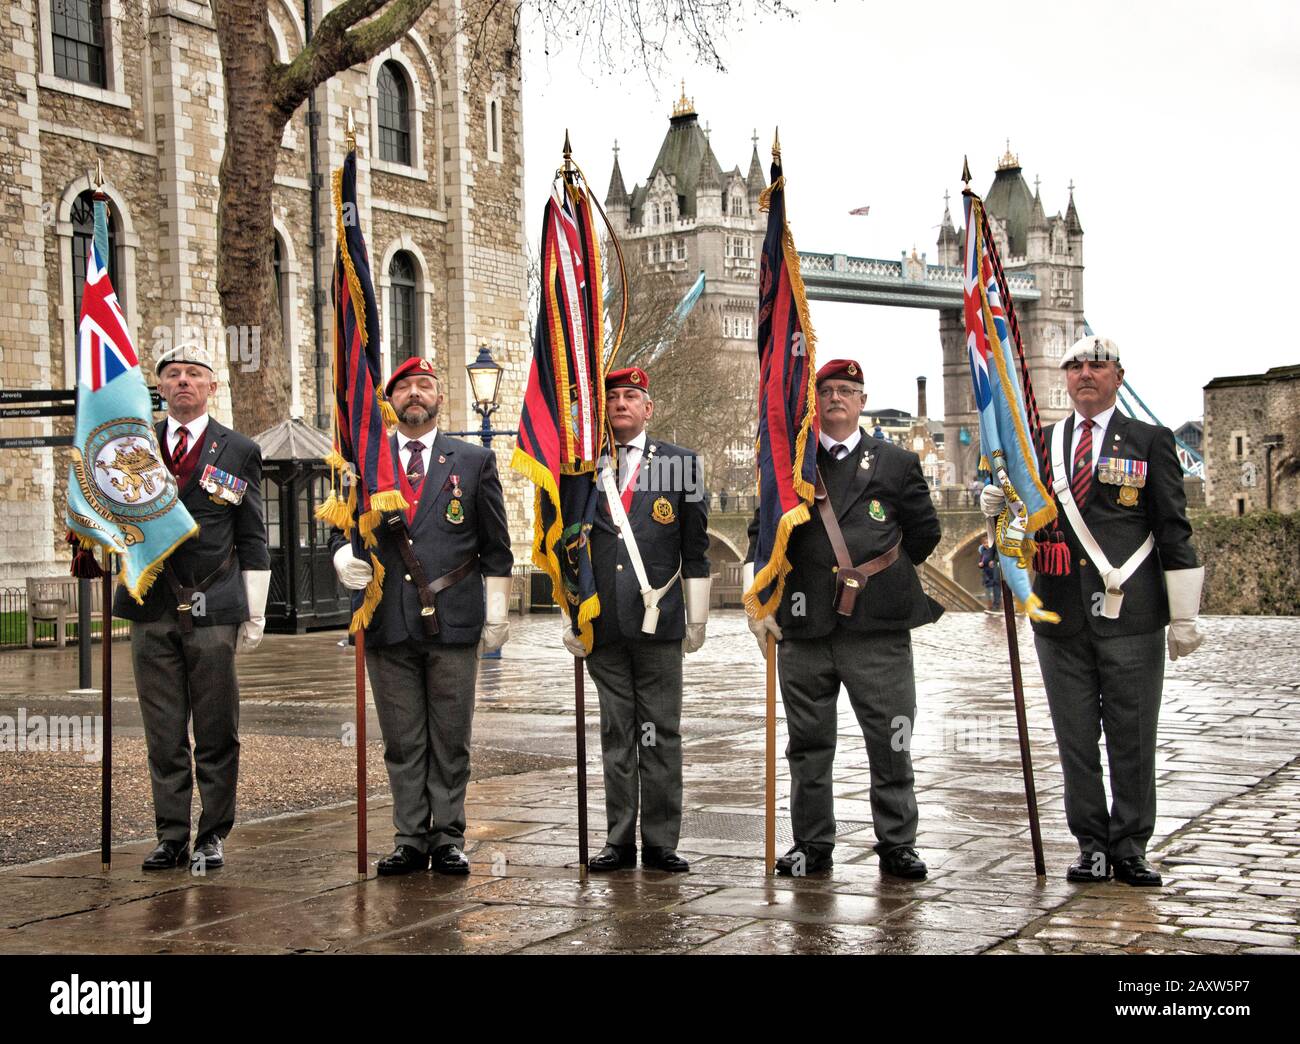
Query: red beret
840, 369
632, 377
407, 369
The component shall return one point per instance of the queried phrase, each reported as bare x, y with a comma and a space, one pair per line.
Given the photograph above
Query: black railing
13, 622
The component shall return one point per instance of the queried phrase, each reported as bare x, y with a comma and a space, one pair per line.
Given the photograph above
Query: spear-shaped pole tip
351, 132
99, 172
776, 143
965, 170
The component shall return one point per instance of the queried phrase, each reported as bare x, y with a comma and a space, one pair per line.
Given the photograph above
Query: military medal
866, 460
1129, 475
876, 511
221, 486
662, 511
455, 486
455, 512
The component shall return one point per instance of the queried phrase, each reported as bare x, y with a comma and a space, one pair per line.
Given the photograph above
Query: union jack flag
106, 349
1008, 440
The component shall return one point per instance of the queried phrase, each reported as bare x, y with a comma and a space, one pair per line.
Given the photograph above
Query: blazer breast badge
662, 512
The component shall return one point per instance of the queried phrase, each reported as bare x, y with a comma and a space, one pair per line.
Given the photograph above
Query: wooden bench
51, 599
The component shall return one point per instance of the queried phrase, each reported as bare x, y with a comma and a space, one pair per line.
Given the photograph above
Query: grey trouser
876, 669
640, 687
179, 678
424, 697
1111, 684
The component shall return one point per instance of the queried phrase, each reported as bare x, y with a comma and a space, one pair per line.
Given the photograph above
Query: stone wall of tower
159, 130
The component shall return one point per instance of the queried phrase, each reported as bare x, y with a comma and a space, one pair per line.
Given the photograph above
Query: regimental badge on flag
360, 460
121, 496
1006, 439
562, 425
787, 403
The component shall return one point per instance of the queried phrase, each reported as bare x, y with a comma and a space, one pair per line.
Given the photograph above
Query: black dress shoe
1137, 871
903, 862
209, 853
167, 856
656, 858
403, 860
614, 857
448, 859
802, 860
1089, 868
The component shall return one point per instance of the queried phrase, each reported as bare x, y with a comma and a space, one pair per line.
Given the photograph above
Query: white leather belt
650, 596
1113, 579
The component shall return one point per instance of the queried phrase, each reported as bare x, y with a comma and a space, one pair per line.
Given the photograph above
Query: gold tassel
777, 566
388, 500
368, 523
374, 592
386, 410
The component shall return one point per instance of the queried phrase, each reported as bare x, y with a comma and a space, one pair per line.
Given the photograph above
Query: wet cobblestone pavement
1227, 840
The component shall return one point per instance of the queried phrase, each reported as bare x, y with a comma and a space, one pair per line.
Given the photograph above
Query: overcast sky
1176, 121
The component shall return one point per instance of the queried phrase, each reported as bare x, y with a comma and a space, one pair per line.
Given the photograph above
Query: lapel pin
442, 459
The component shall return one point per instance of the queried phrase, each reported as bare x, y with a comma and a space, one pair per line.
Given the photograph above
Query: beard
417, 413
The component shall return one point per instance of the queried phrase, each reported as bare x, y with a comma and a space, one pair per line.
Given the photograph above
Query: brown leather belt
415, 573
850, 579
185, 596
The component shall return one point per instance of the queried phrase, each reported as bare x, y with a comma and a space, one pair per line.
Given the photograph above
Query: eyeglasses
842, 391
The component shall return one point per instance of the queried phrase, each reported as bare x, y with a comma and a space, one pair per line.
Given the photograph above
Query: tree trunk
258, 361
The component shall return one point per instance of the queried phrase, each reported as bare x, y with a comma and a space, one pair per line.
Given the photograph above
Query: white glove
496, 629
571, 641
1184, 587
256, 586
992, 501
352, 572
760, 629
696, 595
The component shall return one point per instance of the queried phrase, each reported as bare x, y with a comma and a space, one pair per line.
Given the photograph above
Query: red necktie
1081, 482
182, 446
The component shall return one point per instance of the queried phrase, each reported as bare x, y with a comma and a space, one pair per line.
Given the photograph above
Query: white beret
1092, 348
185, 352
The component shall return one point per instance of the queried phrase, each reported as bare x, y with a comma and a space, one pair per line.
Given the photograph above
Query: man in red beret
449, 552
649, 553
850, 600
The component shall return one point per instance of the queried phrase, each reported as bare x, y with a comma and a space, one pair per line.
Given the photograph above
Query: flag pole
1008, 600
350, 138
769, 829
106, 758
570, 172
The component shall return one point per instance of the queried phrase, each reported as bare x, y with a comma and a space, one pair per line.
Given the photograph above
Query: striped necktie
182, 447
1081, 482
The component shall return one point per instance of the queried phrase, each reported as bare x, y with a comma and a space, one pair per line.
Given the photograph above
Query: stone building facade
690, 216
139, 88
1029, 242
1251, 442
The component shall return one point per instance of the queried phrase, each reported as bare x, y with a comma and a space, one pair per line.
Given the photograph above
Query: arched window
77, 35
394, 115
404, 321
83, 234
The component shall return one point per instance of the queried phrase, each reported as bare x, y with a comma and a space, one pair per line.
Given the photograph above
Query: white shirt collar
1102, 420
637, 443
196, 428
426, 440
851, 443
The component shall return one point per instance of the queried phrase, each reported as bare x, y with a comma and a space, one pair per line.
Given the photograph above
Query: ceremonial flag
360, 460
1007, 439
121, 497
562, 425
859, 212
787, 402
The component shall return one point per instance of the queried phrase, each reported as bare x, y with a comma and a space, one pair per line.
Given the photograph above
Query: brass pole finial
99, 172
351, 133
776, 143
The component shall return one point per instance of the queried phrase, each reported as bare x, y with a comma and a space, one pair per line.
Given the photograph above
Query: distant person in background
991, 573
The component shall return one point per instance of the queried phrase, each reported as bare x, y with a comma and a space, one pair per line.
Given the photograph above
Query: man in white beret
209, 604
1131, 572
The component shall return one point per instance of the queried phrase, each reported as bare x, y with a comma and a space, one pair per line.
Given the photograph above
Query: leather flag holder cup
850, 579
